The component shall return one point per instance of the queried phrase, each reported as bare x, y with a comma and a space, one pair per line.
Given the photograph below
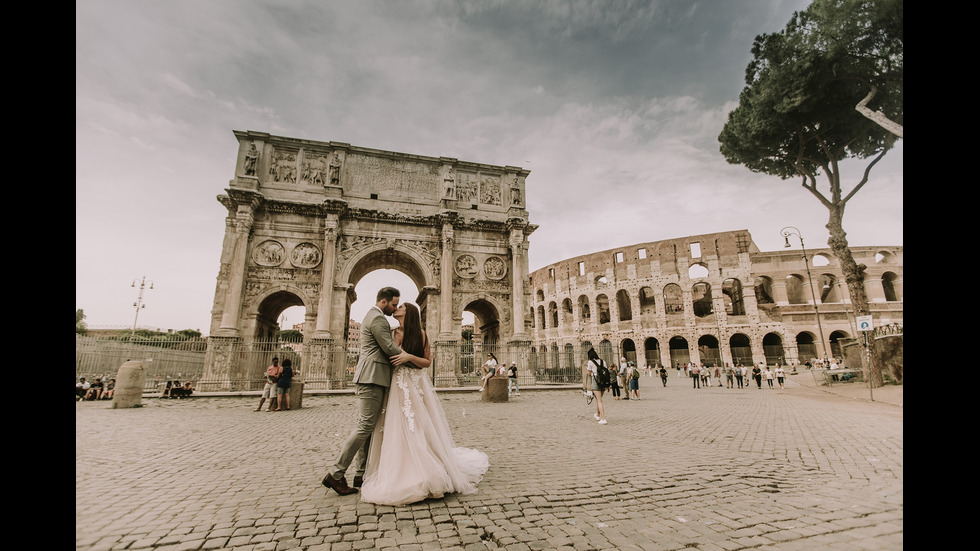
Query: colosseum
710, 299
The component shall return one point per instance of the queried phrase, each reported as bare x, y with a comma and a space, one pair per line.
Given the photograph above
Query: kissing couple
404, 449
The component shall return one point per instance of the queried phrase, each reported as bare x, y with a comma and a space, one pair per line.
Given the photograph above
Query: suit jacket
377, 346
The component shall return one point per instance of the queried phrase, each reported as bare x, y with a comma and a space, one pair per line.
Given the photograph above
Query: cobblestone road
711, 469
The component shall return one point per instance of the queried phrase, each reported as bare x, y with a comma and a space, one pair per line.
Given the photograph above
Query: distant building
713, 298
353, 337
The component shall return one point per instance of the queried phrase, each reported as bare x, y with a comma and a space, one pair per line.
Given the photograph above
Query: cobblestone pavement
711, 469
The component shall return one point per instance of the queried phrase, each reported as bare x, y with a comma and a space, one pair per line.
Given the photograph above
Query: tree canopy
797, 114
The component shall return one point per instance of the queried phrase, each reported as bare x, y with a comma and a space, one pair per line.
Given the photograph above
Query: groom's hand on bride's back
400, 359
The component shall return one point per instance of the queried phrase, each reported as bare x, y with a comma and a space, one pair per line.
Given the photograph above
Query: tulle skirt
412, 455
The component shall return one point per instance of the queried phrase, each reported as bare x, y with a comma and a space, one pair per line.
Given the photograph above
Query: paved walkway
805, 467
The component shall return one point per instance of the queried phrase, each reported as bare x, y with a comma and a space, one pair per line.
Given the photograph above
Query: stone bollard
129, 385
496, 390
295, 395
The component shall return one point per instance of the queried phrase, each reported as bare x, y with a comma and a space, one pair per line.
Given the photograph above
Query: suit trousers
370, 401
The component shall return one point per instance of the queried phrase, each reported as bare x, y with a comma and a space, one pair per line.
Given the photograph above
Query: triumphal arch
307, 219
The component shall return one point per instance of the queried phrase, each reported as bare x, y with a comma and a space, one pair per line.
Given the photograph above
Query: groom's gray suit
372, 377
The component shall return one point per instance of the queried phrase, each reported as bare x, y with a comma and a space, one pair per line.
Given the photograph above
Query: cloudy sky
614, 106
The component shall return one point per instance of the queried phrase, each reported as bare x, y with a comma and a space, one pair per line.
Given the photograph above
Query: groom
372, 377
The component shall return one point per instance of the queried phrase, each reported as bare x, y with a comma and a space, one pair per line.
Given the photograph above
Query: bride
412, 454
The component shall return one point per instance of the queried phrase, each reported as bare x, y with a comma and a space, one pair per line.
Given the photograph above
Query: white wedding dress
412, 454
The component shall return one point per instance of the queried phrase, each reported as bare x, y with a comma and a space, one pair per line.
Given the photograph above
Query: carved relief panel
283, 167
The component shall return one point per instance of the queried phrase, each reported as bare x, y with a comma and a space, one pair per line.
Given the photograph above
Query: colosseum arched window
673, 298
701, 297
763, 290
624, 306
602, 304
731, 290
540, 295
541, 321
827, 288
583, 308
795, 289
696, 271
892, 286
566, 312
648, 303
553, 313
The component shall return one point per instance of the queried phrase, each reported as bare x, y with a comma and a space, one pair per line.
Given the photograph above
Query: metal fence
171, 360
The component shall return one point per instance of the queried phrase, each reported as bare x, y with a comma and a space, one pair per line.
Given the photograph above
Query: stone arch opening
648, 302
806, 346
827, 287
772, 347
607, 354
602, 303
710, 350
623, 305
763, 290
701, 299
268, 309
731, 290
629, 350
583, 306
891, 285
486, 326
567, 316
795, 289
651, 347
680, 353
741, 347
673, 299
836, 338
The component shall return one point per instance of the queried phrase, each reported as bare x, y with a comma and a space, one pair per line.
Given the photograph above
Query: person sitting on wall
81, 388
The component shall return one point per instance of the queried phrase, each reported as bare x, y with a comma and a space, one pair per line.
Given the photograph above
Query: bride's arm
416, 361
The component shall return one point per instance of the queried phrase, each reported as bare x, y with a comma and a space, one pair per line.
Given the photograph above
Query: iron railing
171, 360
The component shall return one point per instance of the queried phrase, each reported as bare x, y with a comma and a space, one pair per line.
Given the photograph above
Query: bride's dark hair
413, 341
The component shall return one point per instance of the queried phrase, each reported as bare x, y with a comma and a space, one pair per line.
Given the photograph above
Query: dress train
412, 455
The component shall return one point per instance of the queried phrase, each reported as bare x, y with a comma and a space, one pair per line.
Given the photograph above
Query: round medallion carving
466, 266
305, 255
269, 253
494, 268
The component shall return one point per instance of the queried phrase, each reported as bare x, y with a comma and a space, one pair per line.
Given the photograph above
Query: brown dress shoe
358, 480
339, 486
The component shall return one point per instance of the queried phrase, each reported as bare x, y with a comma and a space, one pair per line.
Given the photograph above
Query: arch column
326, 278
518, 275
446, 283
244, 218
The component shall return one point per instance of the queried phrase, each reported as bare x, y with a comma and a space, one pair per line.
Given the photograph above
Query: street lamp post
786, 232
139, 303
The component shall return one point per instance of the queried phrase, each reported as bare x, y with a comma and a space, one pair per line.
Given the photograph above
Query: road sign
864, 323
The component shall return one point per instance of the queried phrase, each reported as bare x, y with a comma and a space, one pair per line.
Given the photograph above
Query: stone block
496, 390
129, 385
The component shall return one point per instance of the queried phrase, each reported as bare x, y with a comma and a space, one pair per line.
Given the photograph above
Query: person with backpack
599, 381
634, 382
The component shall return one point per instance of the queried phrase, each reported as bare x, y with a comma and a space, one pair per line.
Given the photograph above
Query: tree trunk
854, 276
